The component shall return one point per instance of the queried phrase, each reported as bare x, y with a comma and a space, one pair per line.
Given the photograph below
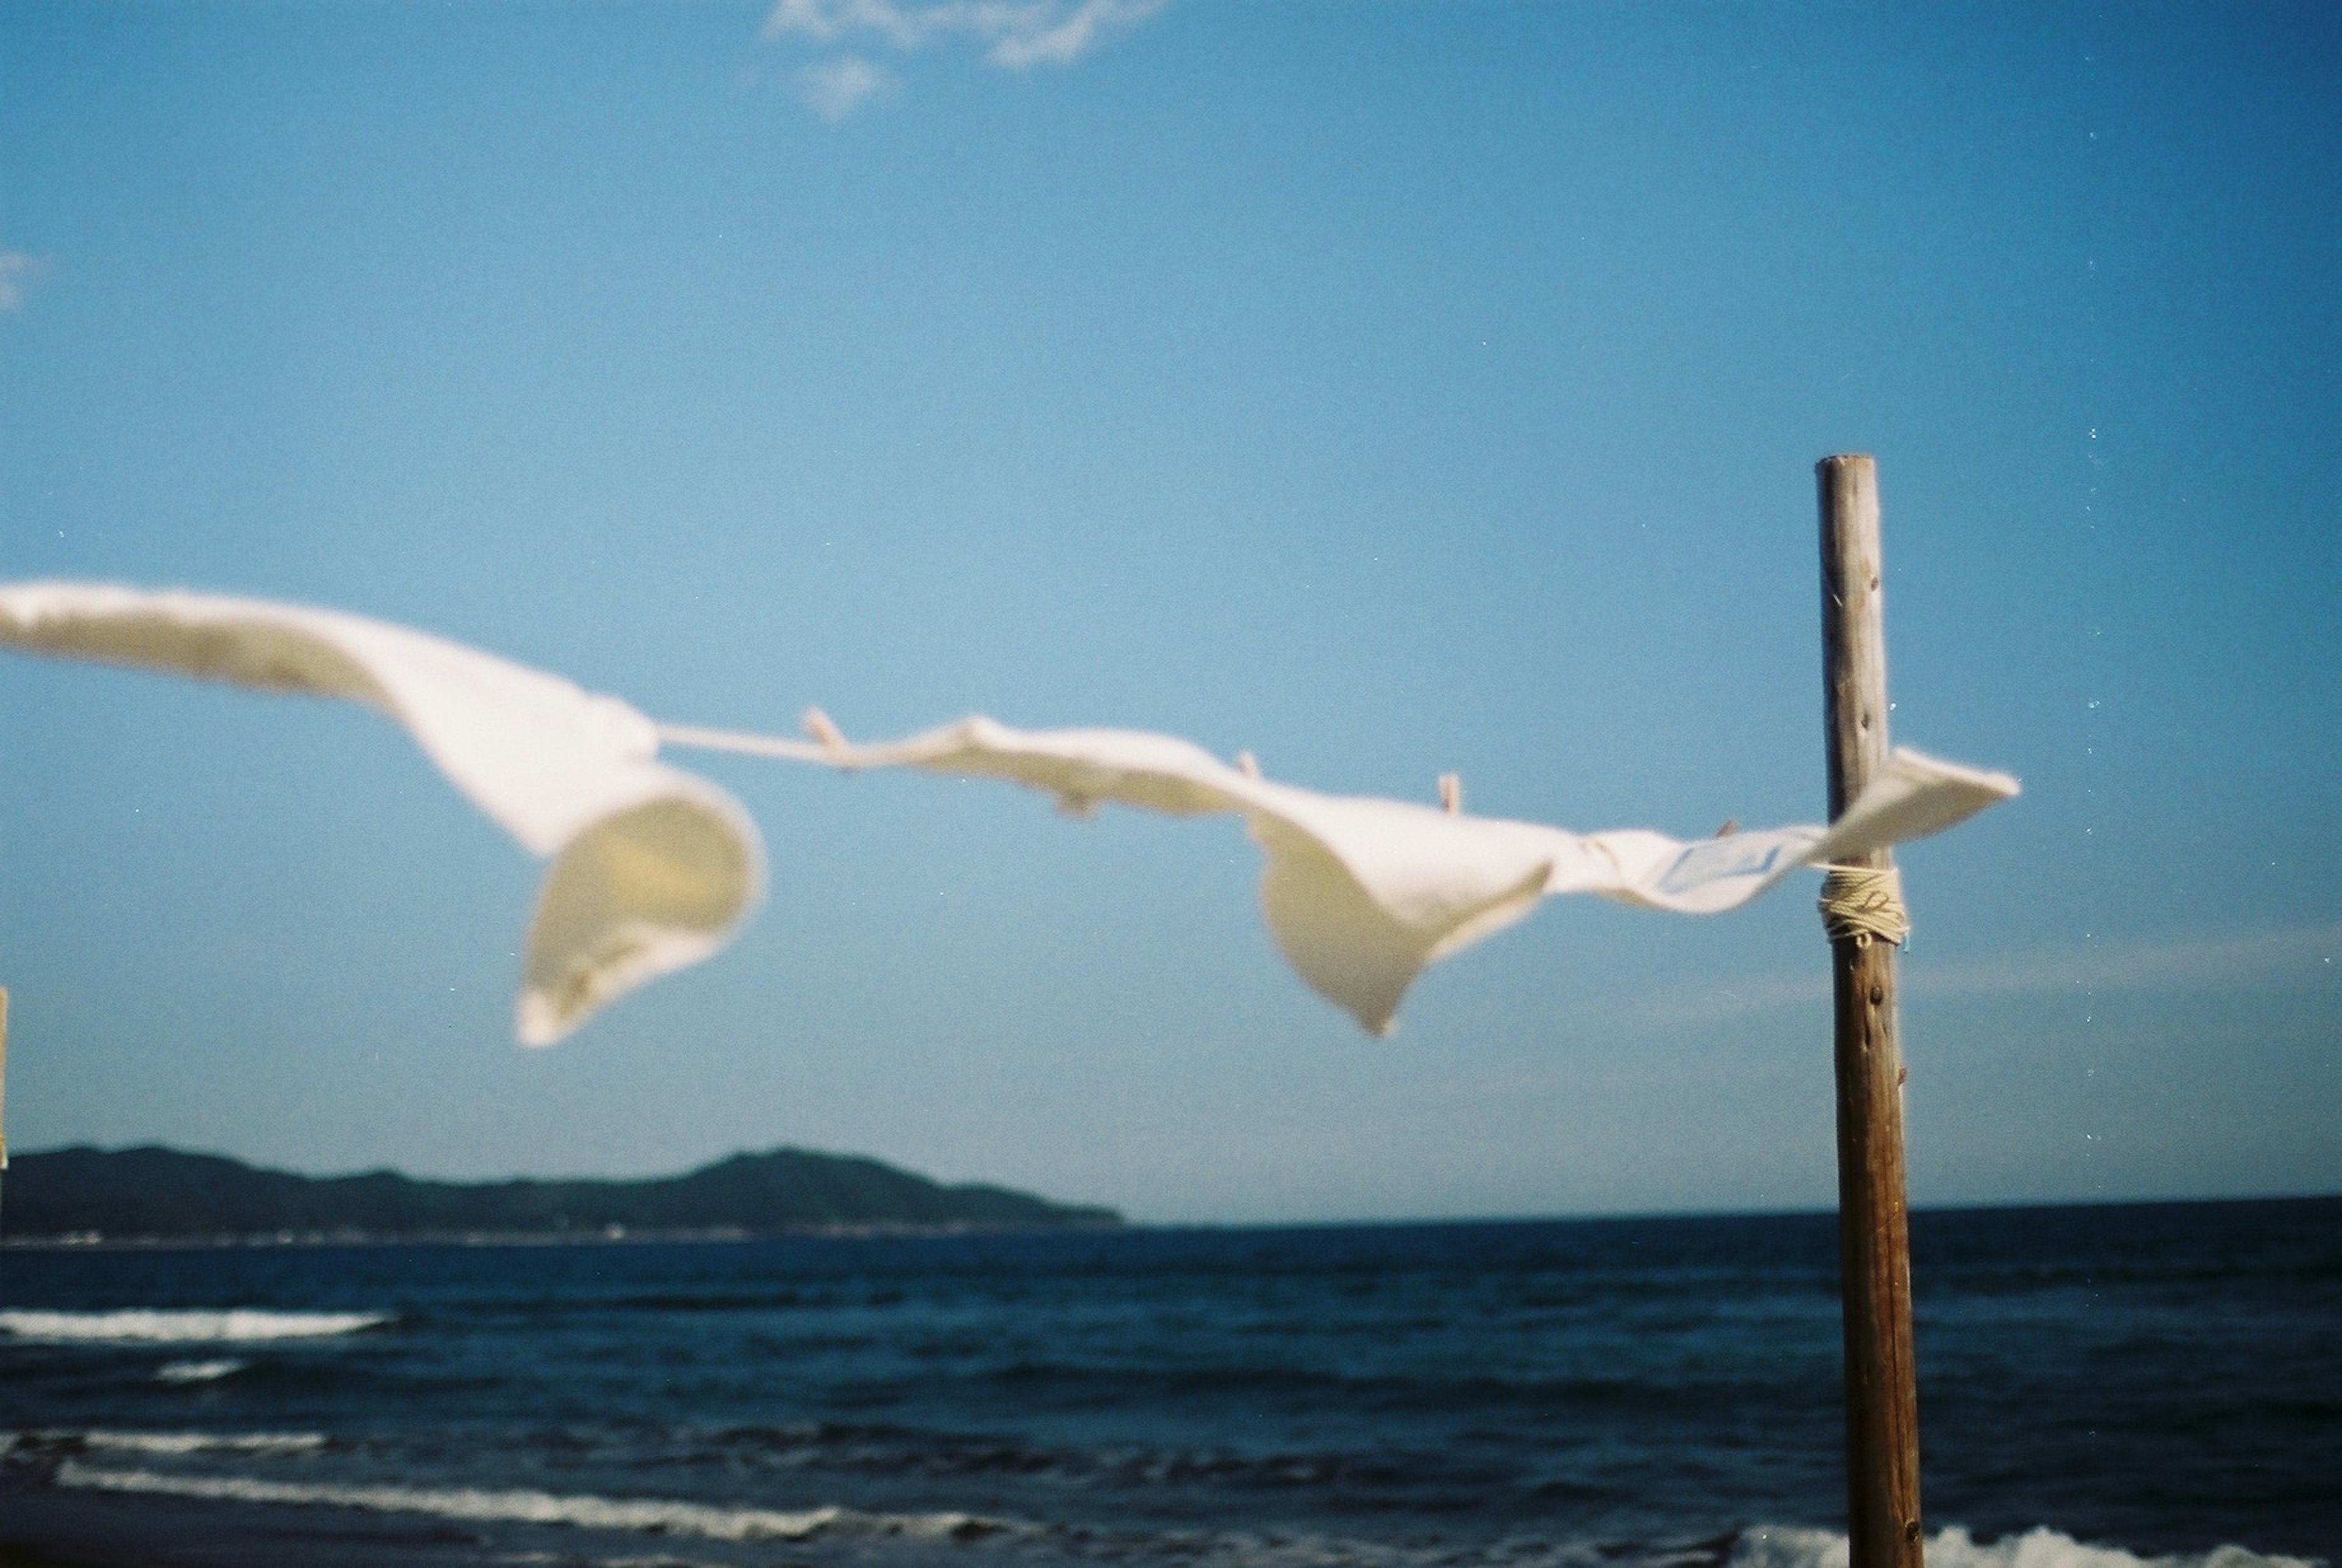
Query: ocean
2099, 1386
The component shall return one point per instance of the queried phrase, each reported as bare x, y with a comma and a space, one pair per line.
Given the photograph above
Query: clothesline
654, 868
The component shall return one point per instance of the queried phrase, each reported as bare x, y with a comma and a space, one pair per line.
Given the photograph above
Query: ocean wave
139, 1326
164, 1443
2040, 1547
1762, 1547
184, 1372
656, 1515
894, 1450
714, 1522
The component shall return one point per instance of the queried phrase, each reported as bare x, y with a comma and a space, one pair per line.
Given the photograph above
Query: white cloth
1362, 894
653, 868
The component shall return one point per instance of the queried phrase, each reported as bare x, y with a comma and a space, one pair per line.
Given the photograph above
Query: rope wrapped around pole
1860, 901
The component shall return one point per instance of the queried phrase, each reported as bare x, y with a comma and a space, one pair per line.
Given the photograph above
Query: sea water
2099, 1386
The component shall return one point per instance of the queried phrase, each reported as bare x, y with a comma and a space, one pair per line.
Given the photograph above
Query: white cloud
1013, 33
18, 274
1063, 40
835, 88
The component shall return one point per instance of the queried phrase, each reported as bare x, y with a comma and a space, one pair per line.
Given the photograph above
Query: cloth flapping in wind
1361, 894
655, 869
652, 869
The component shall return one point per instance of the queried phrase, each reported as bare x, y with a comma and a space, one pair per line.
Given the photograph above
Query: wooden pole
4, 1083
1882, 1396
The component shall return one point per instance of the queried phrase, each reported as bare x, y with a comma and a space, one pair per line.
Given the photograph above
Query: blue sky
1388, 389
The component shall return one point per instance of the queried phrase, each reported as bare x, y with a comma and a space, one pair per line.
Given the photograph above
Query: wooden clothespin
820, 726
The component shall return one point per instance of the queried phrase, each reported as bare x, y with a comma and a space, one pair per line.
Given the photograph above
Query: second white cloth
1361, 892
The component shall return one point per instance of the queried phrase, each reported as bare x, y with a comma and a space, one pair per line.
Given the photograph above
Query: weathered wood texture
1882, 1399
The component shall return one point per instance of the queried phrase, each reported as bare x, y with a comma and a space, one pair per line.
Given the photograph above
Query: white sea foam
655, 1515
164, 1443
197, 1441
1765, 1547
186, 1326
199, 1370
2040, 1547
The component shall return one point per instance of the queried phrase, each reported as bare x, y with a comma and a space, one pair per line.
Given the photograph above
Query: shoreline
616, 1235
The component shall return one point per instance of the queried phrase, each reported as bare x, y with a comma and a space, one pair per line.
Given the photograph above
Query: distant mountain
163, 1193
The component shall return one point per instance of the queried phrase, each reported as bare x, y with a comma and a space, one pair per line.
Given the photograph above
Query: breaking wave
2040, 1547
138, 1325
183, 1372
650, 1515
1762, 1547
164, 1443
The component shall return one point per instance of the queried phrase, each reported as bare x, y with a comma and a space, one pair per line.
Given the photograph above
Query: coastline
618, 1235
